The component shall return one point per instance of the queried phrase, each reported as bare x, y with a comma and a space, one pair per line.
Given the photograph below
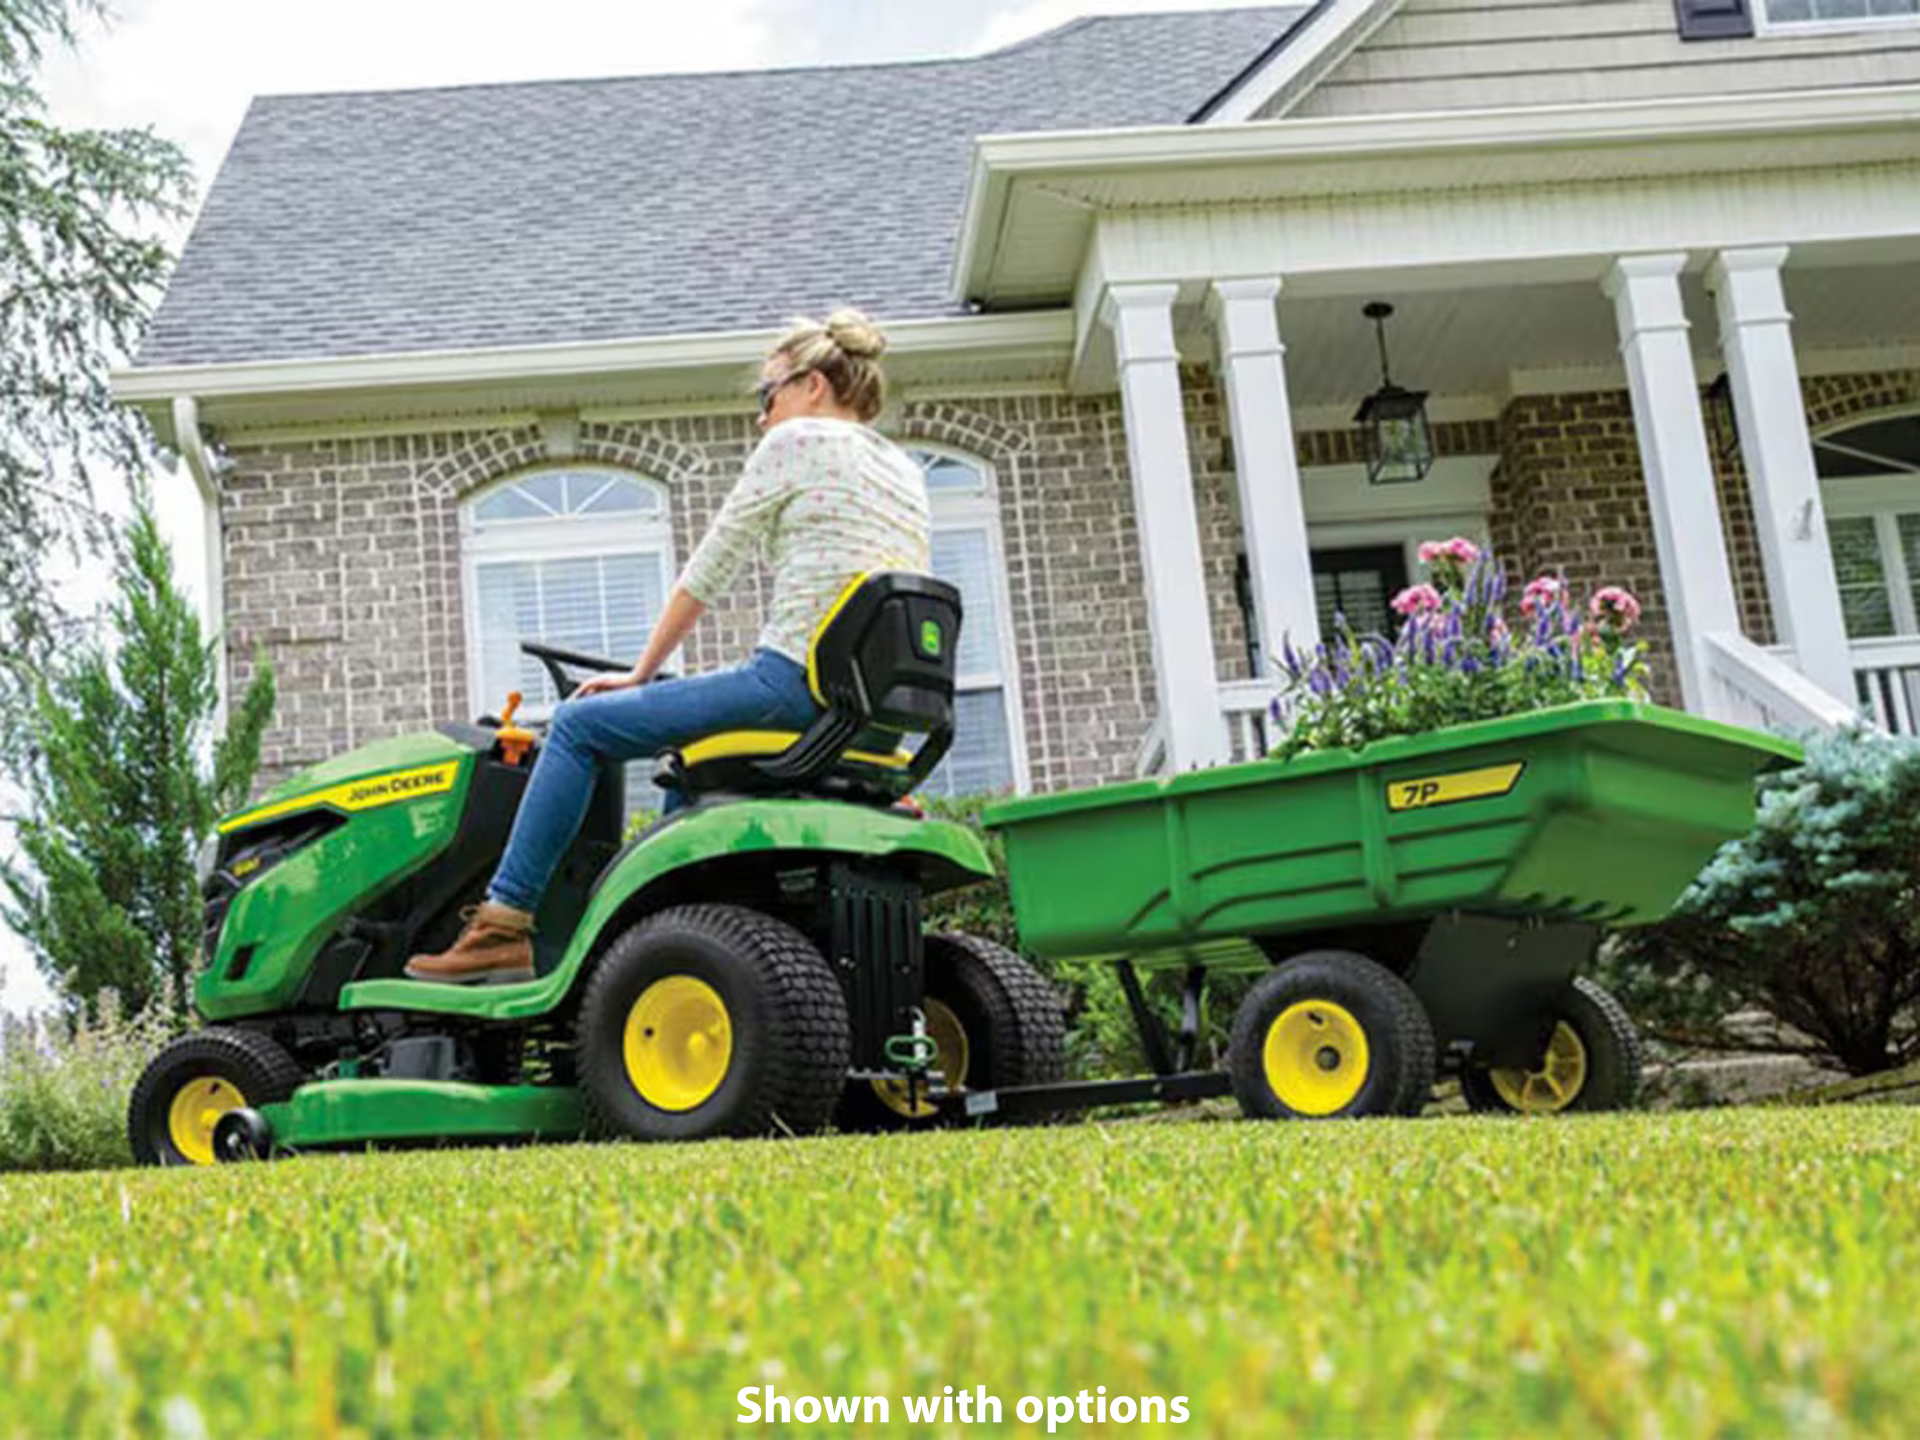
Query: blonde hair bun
847, 350
856, 335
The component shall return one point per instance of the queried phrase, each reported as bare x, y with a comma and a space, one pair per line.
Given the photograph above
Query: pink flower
1416, 600
1613, 605
1542, 592
1459, 549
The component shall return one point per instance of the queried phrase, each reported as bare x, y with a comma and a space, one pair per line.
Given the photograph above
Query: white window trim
553, 538
1767, 28
982, 509
1883, 499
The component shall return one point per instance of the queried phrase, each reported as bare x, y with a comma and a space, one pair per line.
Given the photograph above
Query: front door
1358, 582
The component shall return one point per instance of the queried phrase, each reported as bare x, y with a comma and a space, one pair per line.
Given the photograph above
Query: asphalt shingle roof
497, 215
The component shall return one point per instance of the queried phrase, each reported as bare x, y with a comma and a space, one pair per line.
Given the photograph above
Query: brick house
455, 367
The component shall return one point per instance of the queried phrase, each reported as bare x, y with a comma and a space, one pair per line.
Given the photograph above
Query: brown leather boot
494, 948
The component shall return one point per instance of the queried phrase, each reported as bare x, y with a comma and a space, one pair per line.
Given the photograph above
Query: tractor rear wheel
994, 1021
195, 1080
711, 1020
1593, 1062
1331, 1033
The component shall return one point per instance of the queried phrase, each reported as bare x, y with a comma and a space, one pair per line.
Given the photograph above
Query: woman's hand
601, 684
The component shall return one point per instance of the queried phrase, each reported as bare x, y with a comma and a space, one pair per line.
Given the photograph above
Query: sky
188, 68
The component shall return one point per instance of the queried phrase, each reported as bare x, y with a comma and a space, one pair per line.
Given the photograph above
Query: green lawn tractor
752, 963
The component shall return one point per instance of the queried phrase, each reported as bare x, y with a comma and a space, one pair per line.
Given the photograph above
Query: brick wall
1569, 495
343, 565
343, 556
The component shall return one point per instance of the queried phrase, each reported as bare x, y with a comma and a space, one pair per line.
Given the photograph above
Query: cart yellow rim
951, 1053
1555, 1085
1316, 1057
678, 1043
197, 1107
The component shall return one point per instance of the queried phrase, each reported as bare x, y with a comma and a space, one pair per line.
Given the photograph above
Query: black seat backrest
885, 655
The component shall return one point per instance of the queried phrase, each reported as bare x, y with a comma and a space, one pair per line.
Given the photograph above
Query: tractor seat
881, 667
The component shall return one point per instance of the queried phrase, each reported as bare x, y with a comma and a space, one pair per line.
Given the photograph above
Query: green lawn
1738, 1273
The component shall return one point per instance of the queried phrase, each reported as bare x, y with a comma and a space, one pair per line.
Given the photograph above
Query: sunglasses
767, 389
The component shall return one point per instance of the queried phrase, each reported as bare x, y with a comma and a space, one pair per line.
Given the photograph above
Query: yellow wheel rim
951, 1054
678, 1043
196, 1109
1555, 1085
1316, 1057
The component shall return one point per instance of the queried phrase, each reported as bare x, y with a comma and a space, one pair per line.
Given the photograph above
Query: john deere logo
930, 637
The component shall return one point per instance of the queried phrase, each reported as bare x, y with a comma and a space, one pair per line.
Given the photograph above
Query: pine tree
81, 268
121, 790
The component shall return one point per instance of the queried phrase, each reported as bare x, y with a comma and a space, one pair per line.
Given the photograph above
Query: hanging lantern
1393, 422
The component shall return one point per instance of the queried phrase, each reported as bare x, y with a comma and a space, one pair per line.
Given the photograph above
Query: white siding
1483, 54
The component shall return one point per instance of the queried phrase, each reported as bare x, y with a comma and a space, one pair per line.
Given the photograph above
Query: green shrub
64, 1084
1813, 916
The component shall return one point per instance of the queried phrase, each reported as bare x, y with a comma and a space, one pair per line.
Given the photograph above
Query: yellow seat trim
813, 640
733, 744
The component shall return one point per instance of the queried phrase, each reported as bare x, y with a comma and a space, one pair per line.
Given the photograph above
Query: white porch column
1168, 522
1645, 290
1273, 514
1756, 340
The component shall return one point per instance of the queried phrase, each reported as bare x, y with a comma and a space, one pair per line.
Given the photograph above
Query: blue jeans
769, 692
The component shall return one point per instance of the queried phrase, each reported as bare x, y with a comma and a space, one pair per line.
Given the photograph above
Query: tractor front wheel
711, 1020
193, 1082
1593, 1062
1327, 1034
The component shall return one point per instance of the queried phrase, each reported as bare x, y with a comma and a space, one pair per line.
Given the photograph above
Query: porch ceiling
1489, 342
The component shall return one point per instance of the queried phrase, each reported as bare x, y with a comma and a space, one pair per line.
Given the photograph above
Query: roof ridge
659, 76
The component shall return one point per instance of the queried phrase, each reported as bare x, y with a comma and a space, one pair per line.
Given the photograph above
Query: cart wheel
1593, 1062
711, 1020
1331, 1033
994, 1020
193, 1082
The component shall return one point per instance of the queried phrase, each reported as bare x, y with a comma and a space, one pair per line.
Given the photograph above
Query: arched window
989, 749
579, 557
1870, 486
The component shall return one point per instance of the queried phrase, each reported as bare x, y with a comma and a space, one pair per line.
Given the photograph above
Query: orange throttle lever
515, 741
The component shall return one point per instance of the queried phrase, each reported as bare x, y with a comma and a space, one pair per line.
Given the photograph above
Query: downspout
205, 469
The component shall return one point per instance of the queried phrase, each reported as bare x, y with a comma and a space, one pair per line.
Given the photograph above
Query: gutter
721, 352
205, 467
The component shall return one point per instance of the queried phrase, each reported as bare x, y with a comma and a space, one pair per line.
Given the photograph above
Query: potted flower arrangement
1459, 656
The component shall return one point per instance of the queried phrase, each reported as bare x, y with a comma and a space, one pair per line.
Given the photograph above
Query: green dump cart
1421, 906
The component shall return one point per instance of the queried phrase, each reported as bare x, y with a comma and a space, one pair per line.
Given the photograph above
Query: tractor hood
397, 768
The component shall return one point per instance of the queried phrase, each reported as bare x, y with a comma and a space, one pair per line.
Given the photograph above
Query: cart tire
987, 1009
1328, 1034
1593, 1062
709, 1020
194, 1081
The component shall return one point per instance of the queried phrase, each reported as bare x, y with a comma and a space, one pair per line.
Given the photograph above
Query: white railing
1151, 757
1888, 674
1757, 688
1247, 708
